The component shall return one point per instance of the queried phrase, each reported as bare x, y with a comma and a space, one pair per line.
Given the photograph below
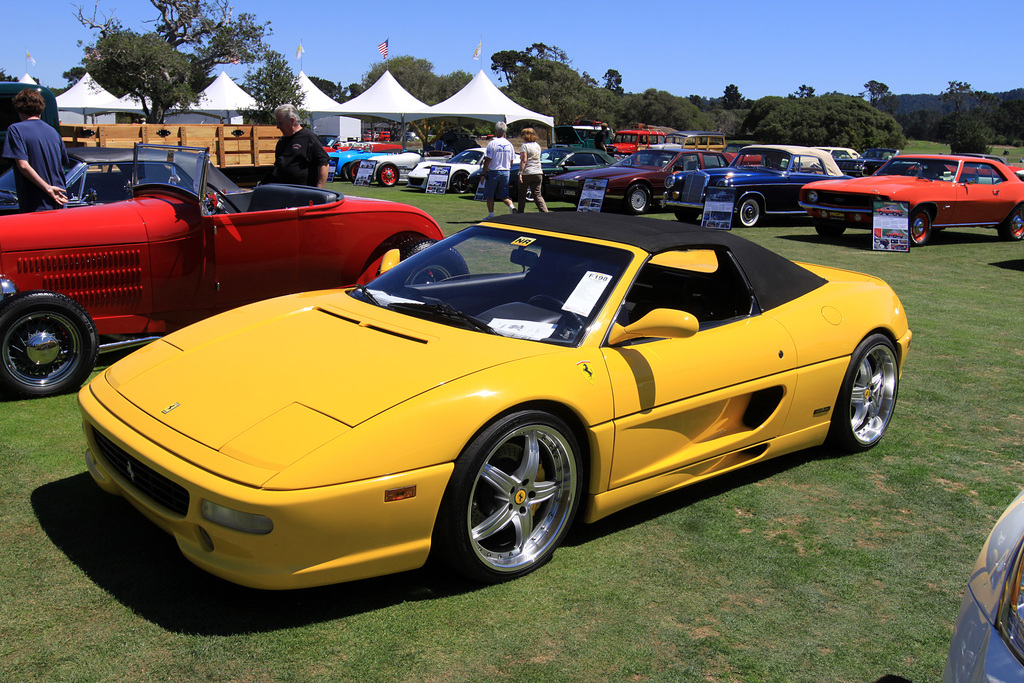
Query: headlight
670, 181
236, 519
812, 196
7, 288
1011, 617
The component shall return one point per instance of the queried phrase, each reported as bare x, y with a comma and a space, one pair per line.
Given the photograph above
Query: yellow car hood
268, 389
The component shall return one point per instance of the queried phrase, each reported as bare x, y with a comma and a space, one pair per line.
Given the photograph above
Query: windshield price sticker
522, 329
587, 292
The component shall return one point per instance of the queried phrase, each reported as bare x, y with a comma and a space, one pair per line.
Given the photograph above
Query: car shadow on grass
140, 566
861, 239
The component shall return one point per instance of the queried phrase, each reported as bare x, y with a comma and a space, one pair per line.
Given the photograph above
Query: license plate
569, 193
838, 215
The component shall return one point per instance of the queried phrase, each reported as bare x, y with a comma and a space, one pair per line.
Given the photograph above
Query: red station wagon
77, 281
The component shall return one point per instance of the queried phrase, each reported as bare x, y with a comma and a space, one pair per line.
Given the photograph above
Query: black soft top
776, 280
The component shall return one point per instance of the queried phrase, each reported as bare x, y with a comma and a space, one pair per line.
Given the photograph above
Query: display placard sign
592, 196
437, 181
332, 168
481, 187
890, 226
365, 173
719, 203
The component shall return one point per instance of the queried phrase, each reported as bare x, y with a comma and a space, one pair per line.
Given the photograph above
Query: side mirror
661, 322
390, 260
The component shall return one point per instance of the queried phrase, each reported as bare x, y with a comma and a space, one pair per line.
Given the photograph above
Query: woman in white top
531, 177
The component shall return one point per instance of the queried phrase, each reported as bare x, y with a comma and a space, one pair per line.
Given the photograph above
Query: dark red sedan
96, 278
636, 182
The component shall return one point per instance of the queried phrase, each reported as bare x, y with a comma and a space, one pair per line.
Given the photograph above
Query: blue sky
684, 47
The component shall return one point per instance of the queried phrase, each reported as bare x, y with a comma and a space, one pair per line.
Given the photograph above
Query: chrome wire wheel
522, 497
511, 498
48, 344
41, 348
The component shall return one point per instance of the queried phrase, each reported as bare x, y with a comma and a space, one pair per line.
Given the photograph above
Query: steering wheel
546, 301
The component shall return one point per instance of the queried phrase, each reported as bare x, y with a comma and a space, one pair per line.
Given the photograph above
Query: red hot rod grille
95, 279
145, 479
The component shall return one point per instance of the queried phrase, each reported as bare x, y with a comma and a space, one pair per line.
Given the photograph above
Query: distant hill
925, 102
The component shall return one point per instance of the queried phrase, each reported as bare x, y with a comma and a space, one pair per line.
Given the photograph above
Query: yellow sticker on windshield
523, 241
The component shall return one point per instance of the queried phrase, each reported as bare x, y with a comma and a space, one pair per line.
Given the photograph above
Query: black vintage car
867, 163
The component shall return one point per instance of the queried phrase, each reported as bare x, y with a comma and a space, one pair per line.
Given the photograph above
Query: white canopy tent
27, 80
385, 99
481, 99
223, 99
85, 98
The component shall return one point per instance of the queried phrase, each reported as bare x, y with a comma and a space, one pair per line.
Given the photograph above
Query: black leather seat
276, 196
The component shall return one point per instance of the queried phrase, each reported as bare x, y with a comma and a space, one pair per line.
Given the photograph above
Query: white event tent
84, 98
27, 80
385, 99
481, 99
326, 113
223, 99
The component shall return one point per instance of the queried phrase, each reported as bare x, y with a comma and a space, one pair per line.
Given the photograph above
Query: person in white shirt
496, 167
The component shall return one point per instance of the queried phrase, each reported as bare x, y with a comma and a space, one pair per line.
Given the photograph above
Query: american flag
383, 49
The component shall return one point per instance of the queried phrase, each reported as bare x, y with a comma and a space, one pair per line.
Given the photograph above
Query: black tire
749, 212
351, 171
511, 499
445, 264
688, 215
921, 231
48, 345
829, 230
414, 246
459, 182
867, 396
637, 200
387, 175
1012, 228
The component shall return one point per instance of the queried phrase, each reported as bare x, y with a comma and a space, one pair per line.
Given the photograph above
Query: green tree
731, 98
196, 37
803, 92
829, 120
6, 77
272, 84
880, 97
661, 108
73, 75
143, 66
613, 81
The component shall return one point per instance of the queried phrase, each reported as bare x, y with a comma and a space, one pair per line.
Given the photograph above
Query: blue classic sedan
767, 179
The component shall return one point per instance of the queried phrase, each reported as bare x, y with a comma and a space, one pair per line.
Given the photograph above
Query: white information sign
522, 329
719, 204
890, 226
588, 290
592, 196
437, 181
365, 173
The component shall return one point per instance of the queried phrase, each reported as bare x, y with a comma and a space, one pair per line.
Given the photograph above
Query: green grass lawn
812, 567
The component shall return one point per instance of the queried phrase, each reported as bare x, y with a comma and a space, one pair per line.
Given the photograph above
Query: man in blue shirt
39, 156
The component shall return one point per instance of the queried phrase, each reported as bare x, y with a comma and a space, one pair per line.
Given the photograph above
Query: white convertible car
462, 164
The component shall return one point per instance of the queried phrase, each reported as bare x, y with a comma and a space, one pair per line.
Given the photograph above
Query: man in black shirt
300, 158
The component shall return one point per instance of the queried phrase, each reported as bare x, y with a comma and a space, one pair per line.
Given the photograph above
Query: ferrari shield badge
586, 367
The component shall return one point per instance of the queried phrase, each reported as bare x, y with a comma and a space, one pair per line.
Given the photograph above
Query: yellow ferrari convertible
477, 398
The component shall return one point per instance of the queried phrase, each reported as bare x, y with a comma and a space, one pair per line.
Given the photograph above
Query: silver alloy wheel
522, 497
41, 348
873, 395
